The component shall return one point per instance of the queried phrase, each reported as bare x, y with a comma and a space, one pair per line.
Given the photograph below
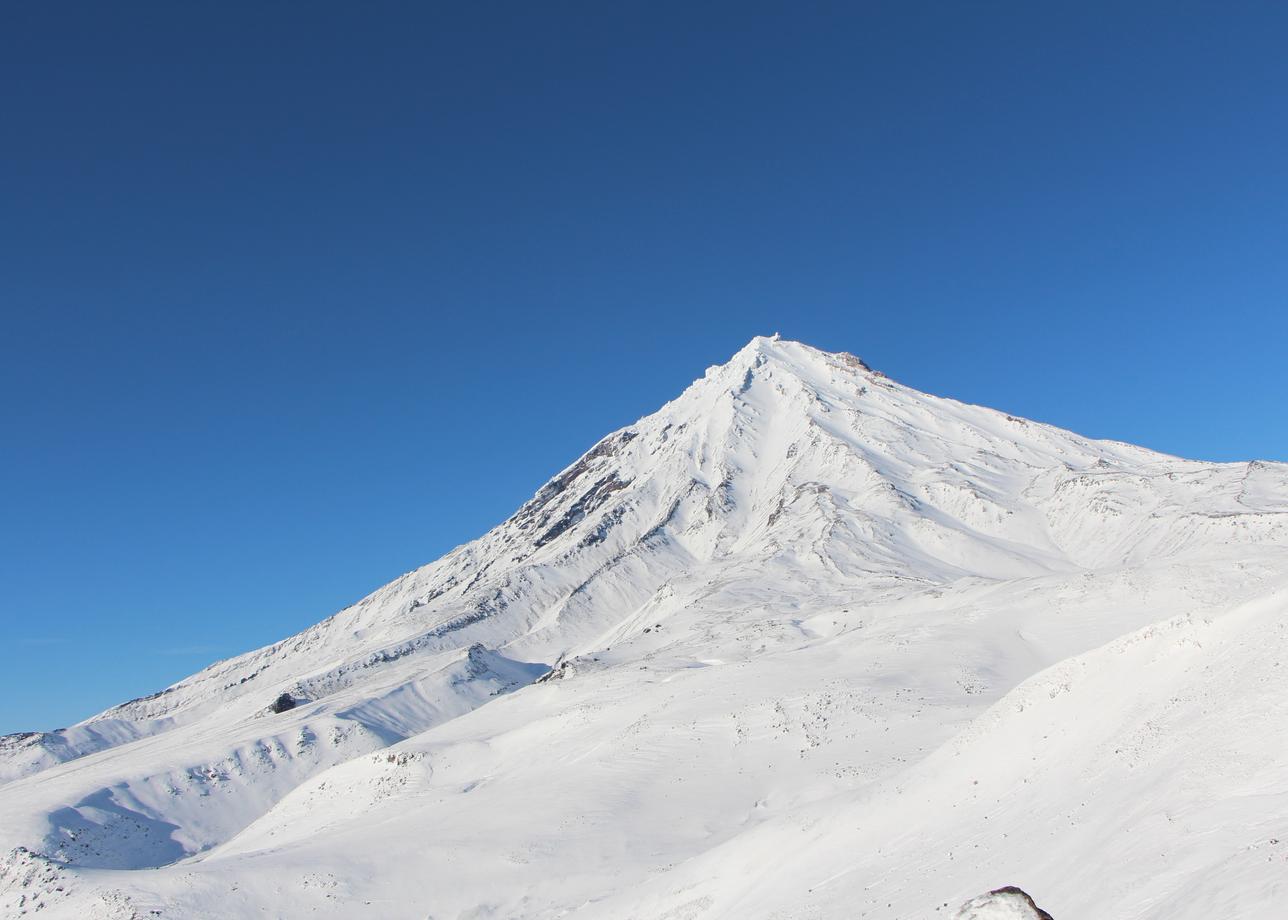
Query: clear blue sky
296, 297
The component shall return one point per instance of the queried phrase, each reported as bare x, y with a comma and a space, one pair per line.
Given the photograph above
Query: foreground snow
814, 645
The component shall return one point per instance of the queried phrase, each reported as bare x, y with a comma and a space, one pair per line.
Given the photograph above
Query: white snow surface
814, 645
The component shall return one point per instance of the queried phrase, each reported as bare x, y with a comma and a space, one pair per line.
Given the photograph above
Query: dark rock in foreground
1009, 903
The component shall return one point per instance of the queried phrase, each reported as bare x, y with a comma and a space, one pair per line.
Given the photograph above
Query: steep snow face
774, 598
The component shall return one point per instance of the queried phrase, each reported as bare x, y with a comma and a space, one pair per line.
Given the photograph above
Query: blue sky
297, 298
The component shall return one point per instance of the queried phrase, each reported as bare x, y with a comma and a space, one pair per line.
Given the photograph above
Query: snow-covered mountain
804, 643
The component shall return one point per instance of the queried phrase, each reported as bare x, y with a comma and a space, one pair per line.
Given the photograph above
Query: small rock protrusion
1009, 903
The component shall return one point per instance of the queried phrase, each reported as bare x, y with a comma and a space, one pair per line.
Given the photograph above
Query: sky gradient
296, 299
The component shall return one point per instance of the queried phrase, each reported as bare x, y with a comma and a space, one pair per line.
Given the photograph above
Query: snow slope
803, 643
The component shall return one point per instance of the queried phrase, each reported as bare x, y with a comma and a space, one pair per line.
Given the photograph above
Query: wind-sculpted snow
803, 643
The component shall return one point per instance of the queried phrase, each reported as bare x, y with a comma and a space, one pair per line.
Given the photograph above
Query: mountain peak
774, 346
811, 365
792, 583
762, 343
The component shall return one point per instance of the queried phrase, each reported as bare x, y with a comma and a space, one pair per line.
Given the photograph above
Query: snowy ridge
768, 616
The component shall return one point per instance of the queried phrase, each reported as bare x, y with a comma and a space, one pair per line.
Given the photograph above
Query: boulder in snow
1009, 903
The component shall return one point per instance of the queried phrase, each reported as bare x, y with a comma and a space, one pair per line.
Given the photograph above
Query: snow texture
805, 643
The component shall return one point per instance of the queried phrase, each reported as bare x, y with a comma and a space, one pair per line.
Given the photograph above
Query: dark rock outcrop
1009, 903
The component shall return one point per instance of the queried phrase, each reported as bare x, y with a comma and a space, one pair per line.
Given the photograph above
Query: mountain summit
803, 642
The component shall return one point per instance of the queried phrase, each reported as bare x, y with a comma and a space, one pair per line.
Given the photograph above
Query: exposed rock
592, 499
563, 668
853, 361
1009, 903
